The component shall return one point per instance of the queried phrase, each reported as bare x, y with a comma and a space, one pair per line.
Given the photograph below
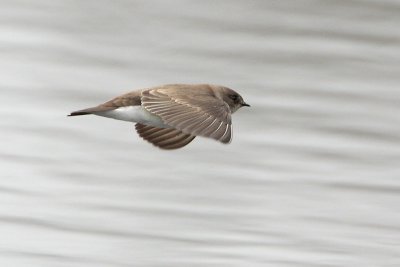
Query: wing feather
165, 138
198, 113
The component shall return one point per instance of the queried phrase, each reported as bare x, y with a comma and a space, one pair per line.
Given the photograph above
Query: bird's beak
245, 104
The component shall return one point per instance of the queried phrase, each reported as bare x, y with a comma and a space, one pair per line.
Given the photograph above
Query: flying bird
171, 116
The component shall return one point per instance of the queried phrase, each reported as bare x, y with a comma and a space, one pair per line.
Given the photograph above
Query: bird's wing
199, 113
165, 138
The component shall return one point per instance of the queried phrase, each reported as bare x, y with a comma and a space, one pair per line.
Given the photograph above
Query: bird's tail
78, 113
92, 110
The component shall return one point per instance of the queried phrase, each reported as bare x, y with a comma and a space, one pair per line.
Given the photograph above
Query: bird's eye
234, 97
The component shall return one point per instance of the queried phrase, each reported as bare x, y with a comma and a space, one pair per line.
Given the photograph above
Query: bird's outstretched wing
165, 138
199, 113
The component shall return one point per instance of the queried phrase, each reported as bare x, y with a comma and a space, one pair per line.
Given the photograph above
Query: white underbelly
134, 114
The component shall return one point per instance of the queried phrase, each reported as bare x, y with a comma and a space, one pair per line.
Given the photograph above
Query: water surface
310, 179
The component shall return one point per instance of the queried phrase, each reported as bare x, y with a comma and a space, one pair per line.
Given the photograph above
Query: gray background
310, 179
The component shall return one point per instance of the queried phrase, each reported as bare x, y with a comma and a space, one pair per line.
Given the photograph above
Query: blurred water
310, 179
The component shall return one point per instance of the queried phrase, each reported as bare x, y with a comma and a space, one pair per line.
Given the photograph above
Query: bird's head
233, 99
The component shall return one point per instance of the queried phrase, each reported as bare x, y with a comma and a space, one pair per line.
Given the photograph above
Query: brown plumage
166, 138
170, 116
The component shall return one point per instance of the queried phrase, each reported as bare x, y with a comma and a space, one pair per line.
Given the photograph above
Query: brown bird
171, 116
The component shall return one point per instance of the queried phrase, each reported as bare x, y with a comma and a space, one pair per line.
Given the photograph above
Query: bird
170, 116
